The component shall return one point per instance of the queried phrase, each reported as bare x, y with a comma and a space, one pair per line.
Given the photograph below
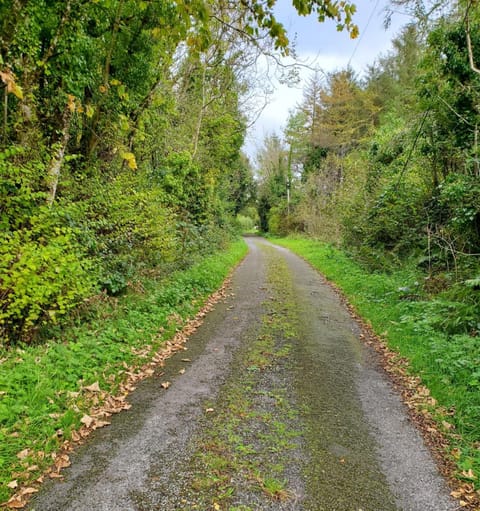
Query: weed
274, 488
245, 447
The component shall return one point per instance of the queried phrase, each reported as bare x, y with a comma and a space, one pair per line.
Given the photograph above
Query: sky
321, 46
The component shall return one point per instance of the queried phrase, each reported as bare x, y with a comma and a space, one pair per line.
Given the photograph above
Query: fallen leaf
209, 410
63, 461
13, 484
55, 475
16, 502
165, 384
216, 506
101, 424
23, 454
94, 387
87, 420
32, 468
182, 371
469, 474
28, 491
186, 360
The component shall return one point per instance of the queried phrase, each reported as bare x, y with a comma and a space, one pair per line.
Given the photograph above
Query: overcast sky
320, 45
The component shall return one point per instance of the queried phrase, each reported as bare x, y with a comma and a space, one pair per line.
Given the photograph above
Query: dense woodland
387, 165
122, 123
121, 130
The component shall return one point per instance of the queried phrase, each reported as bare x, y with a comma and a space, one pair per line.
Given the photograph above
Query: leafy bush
130, 229
41, 276
246, 223
43, 270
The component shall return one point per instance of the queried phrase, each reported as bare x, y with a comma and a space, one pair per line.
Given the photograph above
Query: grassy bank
447, 364
46, 390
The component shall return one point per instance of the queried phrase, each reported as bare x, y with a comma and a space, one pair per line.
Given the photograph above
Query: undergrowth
40, 405
420, 328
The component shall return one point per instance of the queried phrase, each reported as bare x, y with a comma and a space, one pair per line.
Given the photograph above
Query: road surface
275, 405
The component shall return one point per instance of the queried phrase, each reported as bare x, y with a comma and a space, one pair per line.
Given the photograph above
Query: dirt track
276, 405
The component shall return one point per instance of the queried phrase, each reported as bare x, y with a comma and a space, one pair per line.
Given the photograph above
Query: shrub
41, 277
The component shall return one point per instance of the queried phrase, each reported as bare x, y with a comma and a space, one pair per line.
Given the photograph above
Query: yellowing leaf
17, 91
8, 78
71, 103
354, 32
130, 159
89, 111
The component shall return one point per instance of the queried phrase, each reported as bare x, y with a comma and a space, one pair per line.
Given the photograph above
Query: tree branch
469, 44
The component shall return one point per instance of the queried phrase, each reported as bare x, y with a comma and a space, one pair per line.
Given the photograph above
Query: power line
363, 33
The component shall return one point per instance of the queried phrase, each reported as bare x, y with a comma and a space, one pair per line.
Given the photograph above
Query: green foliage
39, 279
20, 188
43, 268
277, 220
246, 223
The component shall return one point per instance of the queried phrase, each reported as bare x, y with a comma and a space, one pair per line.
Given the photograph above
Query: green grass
448, 364
39, 405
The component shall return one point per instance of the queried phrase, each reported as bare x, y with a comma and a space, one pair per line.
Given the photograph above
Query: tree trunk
57, 161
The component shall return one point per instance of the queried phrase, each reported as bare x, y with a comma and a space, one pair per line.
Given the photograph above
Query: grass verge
42, 388
448, 365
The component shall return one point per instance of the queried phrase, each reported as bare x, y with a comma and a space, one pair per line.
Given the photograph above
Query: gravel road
275, 405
